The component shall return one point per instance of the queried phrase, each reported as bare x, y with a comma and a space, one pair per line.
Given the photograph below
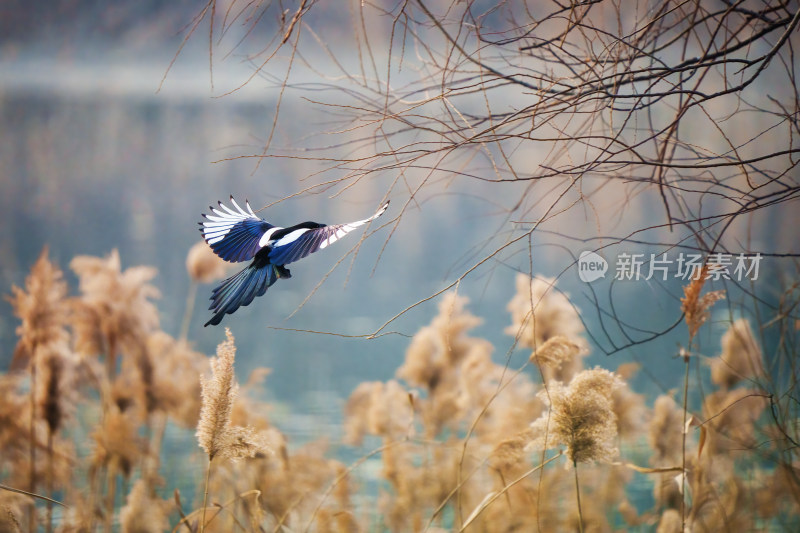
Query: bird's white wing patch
217, 226
267, 236
289, 238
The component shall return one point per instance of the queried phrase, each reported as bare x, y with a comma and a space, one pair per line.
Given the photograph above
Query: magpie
237, 235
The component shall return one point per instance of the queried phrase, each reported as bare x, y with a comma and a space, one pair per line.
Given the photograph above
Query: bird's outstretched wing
299, 243
234, 234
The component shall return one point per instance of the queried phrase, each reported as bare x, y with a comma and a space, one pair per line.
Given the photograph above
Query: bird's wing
301, 242
234, 234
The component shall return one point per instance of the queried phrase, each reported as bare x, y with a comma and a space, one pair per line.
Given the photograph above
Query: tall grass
462, 443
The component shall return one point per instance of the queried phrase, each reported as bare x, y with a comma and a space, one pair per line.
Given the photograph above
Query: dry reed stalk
539, 312
53, 414
114, 313
32, 454
490, 498
215, 434
581, 417
8, 520
144, 512
741, 357
111, 493
578, 495
118, 449
43, 311
556, 352
696, 307
696, 311
113, 316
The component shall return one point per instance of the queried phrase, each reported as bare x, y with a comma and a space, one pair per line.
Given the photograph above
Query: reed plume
42, 309
378, 408
14, 436
461, 389
539, 313
665, 438
179, 399
696, 306
11, 511
740, 358
441, 345
665, 430
118, 448
203, 266
115, 312
435, 359
457, 428
558, 357
629, 406
731, 419
43, 339
144, 512
117, 443
581, 418
510, 453
670, 522
695, 313
53, 403
459, 380
215, 434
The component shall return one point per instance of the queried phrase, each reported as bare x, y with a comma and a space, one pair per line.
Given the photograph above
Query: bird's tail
240, 289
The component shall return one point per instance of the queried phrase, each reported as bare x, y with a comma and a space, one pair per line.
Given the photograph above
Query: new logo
591, 266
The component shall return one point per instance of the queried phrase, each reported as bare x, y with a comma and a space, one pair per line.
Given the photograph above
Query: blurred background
112, 136
121, 122
95, 157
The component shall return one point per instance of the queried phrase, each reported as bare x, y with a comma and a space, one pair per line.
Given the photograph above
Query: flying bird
237, 235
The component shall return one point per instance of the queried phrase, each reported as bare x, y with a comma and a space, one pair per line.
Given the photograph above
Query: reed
465, 443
